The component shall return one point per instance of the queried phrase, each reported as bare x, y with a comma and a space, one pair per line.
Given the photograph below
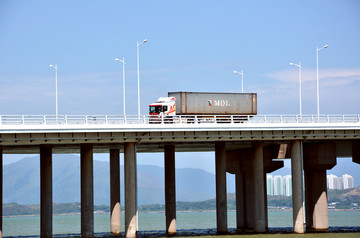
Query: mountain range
22, 181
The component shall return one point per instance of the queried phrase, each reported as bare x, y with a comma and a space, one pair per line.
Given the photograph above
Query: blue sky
192, 46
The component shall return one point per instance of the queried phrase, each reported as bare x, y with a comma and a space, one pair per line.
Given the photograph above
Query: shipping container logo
218, 103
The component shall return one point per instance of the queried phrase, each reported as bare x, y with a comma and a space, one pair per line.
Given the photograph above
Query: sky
192, 46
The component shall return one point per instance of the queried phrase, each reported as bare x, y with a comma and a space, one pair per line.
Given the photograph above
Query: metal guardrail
145, 119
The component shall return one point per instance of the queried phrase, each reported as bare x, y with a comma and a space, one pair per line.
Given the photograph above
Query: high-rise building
270, 184
278, 185
287, 185
348, 181
344, 182
332, 181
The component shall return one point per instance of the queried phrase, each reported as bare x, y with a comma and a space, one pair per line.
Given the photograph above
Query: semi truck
203, 107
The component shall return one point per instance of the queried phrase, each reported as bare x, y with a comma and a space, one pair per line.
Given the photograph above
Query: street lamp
56, 87
138, 73
317, 78
123, 62
242, 79
299, 65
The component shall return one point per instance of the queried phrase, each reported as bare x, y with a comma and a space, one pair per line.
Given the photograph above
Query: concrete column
248, 176
297, 187
320, 213
115, 220
221, 201
87, 190
239, 187
259, 203
1, 190
318, 157
170, 191
308, 198
45, 191
130, 190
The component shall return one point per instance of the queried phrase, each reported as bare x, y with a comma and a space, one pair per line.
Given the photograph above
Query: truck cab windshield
155, 109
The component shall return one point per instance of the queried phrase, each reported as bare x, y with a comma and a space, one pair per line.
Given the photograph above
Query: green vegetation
341, 199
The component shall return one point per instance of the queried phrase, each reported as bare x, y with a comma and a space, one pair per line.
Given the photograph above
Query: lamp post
317, 77
242, 79
123, 62
138, 73
56, 88
299, 65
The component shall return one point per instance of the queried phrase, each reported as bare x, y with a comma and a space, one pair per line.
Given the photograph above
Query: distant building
270, 184
287, 185
278, 186
348, 181
344, 182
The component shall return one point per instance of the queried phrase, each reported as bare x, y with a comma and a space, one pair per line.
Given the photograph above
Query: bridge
247, 146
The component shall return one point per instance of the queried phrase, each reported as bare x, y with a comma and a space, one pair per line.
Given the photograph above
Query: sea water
155, 221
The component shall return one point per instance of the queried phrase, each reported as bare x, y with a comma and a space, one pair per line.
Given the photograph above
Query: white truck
203, 107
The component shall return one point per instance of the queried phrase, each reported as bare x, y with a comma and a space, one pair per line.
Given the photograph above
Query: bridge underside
249, 154
155, 141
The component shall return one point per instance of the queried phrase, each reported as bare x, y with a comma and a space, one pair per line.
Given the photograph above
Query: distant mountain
22, 182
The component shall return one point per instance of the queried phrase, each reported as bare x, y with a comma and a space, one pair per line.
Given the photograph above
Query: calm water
21, 226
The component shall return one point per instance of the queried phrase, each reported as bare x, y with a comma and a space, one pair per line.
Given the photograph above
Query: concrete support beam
170, 189
356, 151
115, 210
247, 171
130, 189
46, 191
259, 203
297, 187
320, 213
221, 195
316, 200
240, 210
1, 190
87, 190
317, 159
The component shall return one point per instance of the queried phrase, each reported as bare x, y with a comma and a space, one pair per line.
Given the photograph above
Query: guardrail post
106, 119
343, 117
66, 121
0, 119
22, 120
281, 119
232, 119
265, 118
86, 119
44, 120
196, 120
328, 118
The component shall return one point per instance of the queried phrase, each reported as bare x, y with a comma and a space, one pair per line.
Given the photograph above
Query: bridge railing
189, 119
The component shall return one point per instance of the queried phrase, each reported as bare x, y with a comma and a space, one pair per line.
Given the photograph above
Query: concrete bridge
248, 147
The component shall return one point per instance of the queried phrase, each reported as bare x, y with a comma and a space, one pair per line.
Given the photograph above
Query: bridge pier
221, 195
46, 215
130, 189
239, 193
87, 190
170, 189
1, 190
317, 159
115, 206
259, 199
297, 186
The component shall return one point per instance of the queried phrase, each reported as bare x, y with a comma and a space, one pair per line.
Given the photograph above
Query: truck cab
162, 108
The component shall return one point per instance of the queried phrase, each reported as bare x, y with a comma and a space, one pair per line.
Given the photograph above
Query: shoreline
103, 213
